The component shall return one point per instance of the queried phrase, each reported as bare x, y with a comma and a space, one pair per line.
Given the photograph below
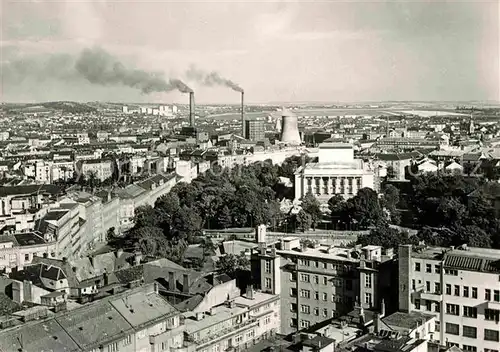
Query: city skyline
288, 52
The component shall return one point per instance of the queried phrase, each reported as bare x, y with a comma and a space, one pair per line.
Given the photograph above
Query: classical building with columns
336, 172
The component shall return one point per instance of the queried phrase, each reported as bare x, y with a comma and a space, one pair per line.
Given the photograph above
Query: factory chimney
243, 114
191, 109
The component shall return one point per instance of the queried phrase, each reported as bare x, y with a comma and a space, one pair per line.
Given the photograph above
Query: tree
231, 264
224, 218
365, 208
386, 237
208, 247
312, 207
144, 216
303, 221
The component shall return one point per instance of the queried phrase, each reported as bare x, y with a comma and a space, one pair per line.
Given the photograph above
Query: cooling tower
191, 109
243, 114
289, 129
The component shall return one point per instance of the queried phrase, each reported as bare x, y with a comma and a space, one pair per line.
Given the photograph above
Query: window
316, 311
487, 294
293, 307
428, 268
437, 326
474, 292
417, 304
293, 276
325, 312
468, 348
325, 296
492, 314
325, 280
268, 266
368, 280
305, 323
451, 272
305, 309
127, 341
437, 307
470, 312
325, 265
496, 295
27, 257
293, 322
437, 287
238, 339
469, 331
417, 266
466, 291
268, 282
316, 279
428, 305
491, 335
413, 284
457, 290
316, 295
368, 299
305, 293
453, 309
293, 292
448, 289
437, 269
304, 277
251, 334
427, 286
453, 329
113, 347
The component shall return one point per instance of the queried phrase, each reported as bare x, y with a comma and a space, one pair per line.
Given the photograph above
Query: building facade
336, 172
319, 282
460, 286
255, 130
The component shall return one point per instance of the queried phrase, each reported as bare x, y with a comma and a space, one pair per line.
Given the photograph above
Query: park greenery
446, 209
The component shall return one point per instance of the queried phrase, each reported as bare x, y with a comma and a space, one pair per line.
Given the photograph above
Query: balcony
431, 296
493, 305
167, 334
212, 338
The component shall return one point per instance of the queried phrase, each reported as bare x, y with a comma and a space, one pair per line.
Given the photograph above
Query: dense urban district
211, 228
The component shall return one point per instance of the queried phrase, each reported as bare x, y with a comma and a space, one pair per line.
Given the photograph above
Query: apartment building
19, 249
460, 286
319, 282
238, 323
137, 320
102, 169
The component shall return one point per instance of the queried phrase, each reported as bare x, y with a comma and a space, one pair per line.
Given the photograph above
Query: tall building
255, 130
460, 286
319, 282
336, 172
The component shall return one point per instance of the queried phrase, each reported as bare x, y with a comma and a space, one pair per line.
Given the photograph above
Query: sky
321, 51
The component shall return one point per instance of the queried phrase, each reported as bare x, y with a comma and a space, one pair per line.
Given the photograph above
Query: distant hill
62, 106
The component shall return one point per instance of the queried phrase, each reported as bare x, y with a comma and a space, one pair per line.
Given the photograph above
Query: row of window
471, 312
339, 267
304, 324
305, 309
316, 295
471, 332
337, 282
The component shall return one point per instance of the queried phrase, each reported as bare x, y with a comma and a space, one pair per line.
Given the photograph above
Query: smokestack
243, 114
191, 109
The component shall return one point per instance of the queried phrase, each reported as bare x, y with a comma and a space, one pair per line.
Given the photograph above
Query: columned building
336, 172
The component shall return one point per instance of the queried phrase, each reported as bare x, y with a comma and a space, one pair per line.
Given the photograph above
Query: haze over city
277, 52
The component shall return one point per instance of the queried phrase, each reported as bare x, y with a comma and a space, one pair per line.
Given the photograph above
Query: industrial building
320, 282
336, 172
460, 286
290, 129
255, 130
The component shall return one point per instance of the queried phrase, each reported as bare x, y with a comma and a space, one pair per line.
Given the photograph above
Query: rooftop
322, 251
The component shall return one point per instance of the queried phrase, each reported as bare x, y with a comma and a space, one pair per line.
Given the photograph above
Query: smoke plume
211, 79
94, 65
99, 67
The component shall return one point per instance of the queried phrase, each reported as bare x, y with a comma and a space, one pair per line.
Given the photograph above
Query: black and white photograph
249, 176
